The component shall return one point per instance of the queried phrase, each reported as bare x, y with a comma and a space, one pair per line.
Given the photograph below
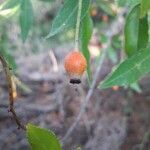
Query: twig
78, 25
115, 28
88, 97
11, 91
59, 98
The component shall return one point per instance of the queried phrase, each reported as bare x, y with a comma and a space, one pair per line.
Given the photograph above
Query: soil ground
115, 119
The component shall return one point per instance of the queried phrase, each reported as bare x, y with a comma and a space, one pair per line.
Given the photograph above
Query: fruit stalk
78, 25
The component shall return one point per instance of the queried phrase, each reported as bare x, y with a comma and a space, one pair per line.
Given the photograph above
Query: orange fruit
75, 64
115, 88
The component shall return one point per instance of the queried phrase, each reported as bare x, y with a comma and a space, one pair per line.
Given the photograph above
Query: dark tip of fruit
75, 81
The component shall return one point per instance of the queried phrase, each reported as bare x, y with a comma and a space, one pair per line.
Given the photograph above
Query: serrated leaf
135, 32
129, 71
145, 7
66, 17
26, 18
85, 35
42, 139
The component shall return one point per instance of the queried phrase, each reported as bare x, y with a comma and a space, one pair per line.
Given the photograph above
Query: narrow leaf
8, 4
136, 31
145, 7
130, 70
42, 139
26, 18
47, 0
143, 36
8, 9
7, 13
129, 3
85, 35
136, 87
66, 17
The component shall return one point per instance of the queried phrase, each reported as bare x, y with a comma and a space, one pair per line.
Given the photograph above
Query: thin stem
78, 25
115, 28
10, 82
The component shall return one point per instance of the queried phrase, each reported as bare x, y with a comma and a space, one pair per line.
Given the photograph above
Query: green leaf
112, 55
135, 86
42, 139
9, 4
145, 7
66, 17
47, 0
135, 32
85, 35
4, 48
26, 18
129, 3
9, 58
116, 42
130, 70
8, 8
121, 3
143, 36
7, 13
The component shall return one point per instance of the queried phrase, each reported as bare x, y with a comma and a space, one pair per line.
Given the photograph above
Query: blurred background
117, 118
